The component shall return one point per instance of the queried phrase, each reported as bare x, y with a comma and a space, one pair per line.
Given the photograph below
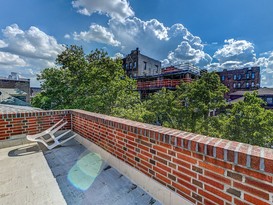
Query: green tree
93, 82
249, 122
198, 99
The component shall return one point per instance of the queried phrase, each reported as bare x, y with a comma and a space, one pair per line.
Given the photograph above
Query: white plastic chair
51, 131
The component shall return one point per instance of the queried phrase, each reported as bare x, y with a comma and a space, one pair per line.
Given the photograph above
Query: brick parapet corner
30, 122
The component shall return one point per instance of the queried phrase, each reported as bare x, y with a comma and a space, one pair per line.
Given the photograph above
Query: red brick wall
202, 169
30, 122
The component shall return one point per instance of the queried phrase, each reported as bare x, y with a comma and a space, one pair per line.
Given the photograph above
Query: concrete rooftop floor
69, 174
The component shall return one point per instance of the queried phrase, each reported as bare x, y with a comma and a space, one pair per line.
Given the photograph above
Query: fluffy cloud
27, 50
237, 51
186, 53
152, 37
32, 43
98, 34
10, 60
116, 9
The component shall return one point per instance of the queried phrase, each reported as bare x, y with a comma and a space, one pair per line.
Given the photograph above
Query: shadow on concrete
25, 150
84, 178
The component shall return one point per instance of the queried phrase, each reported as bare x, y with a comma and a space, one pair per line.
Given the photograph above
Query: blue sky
212, 34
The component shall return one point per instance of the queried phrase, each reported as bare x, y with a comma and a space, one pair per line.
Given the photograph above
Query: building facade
170, 77
241, 79
136, 64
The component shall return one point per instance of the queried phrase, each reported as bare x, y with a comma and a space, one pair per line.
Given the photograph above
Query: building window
239, 77
145, 65
234, 77
239, 85
135, 64
247, 85
252, 75
130, 65
234, 85
126, 65
269, 101
223, 77
247, 76
252, 84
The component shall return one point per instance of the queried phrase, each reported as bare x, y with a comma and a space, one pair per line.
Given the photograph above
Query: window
252, 75
130, 65
269, 101
223, 77
252, 84
234, 85
135, 64
234, 77
247, 85
239, 77
247, 76
239, 85
145, 65
126, 65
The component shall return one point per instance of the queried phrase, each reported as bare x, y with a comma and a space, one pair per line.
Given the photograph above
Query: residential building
264, 93
241, 79
137, 64
17, 85
169, 78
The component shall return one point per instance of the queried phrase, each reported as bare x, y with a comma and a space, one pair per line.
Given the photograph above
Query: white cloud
32, 43
238, 51
155, 39
27, 51
98, 34
67, 36
152, 37
118, 55
186, 53
116, 9
3, 44
10, 60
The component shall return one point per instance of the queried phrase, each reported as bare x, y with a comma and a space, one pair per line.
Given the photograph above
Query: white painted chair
40, 137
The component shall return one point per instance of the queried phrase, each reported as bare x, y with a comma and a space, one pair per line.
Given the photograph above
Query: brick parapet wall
202, 169
30, 122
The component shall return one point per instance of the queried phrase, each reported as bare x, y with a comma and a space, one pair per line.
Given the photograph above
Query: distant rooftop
14, 76
17, 109
261, 92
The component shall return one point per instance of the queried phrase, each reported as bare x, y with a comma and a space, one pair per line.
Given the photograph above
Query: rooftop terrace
165, 166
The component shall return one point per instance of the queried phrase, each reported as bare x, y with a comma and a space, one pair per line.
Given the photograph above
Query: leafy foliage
97, 83
93, 82
249, 122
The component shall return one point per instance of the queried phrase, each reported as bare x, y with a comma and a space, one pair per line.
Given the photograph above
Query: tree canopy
93, 82
97, 83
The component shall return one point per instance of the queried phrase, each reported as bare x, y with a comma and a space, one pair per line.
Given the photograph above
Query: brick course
202, 169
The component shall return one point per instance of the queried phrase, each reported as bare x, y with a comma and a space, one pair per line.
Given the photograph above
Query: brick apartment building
137, 64
241, 79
